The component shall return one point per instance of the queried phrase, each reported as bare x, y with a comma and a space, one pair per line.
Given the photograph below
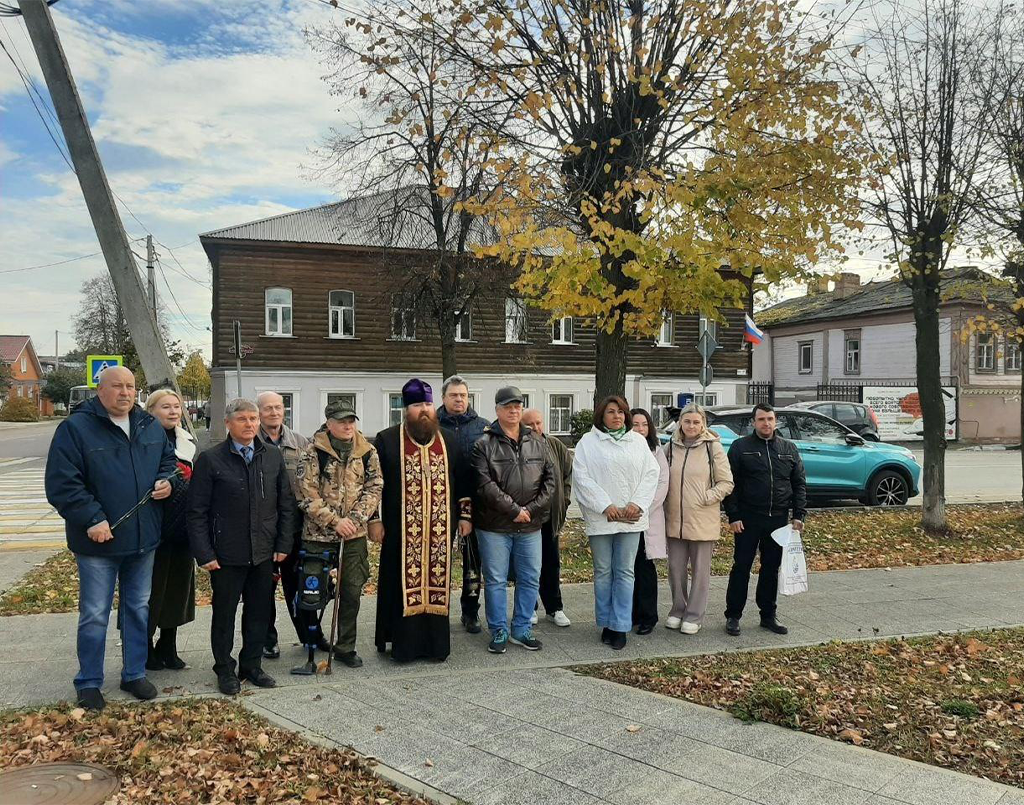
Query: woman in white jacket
615, 477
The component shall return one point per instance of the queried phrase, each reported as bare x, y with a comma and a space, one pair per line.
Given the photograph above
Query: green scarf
617, 435
342, 448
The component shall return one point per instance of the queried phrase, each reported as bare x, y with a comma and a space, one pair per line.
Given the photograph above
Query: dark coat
563, 482
769, 479
95, 473
239, 514
467, 429
511, 476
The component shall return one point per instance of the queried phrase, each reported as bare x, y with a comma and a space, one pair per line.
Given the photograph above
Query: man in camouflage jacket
340, 485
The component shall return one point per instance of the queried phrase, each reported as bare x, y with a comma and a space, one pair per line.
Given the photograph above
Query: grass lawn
952, 701
834, 540
198, 750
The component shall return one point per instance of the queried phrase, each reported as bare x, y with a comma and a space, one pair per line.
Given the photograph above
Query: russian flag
752, 333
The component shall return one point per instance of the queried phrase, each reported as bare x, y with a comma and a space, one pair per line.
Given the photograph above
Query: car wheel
888, 488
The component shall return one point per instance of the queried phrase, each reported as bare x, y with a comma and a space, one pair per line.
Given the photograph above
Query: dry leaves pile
199, 751
952, 701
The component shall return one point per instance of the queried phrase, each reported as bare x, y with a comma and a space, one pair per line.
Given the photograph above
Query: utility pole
237, 331
151, 274
98, 197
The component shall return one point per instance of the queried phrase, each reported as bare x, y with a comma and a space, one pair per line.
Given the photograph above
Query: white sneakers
560, 619
533, 618
683, 626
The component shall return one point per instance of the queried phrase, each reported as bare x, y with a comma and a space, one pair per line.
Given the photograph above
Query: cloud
204, 112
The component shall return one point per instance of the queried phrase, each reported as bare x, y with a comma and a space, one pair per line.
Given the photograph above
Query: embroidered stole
427, 526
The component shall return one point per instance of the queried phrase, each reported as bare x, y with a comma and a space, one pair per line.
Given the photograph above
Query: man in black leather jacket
515, 481
769, 485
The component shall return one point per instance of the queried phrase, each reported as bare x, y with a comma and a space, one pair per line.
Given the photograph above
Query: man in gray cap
515, 480
340, 485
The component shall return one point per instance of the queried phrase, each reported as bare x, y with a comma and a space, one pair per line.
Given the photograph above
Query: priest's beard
422, 427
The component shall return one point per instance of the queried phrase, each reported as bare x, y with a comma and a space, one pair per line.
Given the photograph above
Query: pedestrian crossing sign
94, 364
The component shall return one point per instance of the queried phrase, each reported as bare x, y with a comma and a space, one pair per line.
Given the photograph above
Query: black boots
165, 653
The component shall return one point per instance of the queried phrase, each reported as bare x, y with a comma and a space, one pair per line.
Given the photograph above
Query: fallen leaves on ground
952, 701
203, 750
833, 540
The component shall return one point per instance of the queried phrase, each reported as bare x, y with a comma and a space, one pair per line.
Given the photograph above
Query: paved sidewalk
515, 728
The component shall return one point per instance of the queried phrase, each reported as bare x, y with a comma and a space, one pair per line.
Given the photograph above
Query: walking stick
145, 499
337, 604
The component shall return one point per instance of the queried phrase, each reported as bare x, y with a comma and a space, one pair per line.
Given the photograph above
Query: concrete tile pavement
517, 728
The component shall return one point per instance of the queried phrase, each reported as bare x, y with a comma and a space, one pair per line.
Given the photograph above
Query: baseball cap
508, 394
339, 409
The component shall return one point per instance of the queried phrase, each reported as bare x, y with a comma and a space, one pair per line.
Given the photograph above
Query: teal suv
838, 462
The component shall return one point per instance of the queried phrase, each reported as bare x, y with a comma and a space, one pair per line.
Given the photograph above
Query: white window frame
340, 310
356, 393
295, 394
659, 413
553, 427
562, 331
800, 347
24, 364
388, 410
985, 349
855, 353
400, 307
280, 307
463, 322
516, 318
705, 324
666, 335
706, 399
1011, 347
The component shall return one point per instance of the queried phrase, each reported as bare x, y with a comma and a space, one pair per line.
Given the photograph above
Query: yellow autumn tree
653, 143
194, 378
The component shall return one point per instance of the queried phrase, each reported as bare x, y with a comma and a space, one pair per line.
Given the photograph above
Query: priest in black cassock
426, 499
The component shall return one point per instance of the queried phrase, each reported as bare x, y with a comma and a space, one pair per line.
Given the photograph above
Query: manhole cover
57, 784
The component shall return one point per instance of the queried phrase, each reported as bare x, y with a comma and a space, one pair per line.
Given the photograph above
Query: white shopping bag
793, 570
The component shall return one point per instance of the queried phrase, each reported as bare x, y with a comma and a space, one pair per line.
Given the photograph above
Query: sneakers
527, 641
472, 624
91, 699
140, 689
689, 628
559, 618
499, 642
673, 623
533, 618
773, 625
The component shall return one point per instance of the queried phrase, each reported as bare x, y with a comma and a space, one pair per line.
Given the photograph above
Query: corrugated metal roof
957, 284
11, 347
394, 219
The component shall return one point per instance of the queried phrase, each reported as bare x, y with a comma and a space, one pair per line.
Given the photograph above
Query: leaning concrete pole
98, 198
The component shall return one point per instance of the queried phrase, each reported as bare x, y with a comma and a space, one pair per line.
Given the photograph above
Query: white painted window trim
459, 337
356, 392
296, 400
560, 324
668, 320
280, 308
515, 310
549, 419
341, 315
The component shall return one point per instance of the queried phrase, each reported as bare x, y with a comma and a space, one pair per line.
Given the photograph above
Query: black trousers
471, 576
289, 584
252, 584
756, 536
645, 588
550, 570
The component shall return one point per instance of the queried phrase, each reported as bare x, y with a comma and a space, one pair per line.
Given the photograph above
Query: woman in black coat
172, 601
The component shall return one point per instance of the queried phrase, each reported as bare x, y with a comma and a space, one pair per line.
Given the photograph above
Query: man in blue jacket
456, 415
104, 459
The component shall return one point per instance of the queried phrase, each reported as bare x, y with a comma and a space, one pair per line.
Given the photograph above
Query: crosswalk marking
25, 516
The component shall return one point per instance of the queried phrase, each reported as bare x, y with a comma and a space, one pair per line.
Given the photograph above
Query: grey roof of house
392, 219
958, 285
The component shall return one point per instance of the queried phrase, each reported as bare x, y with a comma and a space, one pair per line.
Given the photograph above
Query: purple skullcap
416, 391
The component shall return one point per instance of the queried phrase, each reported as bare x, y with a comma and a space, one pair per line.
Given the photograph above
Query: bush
19, 409
771, 703
580, 423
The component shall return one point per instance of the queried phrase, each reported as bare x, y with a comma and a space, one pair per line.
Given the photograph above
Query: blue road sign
94, 364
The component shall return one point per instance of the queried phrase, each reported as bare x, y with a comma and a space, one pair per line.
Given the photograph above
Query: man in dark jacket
458, 416
769, 484
515, 480
240, 521
103, 460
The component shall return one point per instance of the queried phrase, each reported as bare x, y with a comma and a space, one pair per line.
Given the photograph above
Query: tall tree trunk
929, 387
610, 369
446, 329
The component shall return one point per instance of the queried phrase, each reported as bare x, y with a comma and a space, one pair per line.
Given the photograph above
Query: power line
181, 310
7, 10
50, 265
183, 271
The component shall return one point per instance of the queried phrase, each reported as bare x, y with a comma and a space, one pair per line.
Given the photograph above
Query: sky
205, 113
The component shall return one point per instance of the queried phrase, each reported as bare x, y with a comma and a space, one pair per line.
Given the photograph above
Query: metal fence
760, 392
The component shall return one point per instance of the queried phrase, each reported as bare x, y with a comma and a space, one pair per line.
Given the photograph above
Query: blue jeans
614, 555
495, 550
97, 576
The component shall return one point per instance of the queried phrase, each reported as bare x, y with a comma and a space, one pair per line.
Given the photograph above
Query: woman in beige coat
699, 479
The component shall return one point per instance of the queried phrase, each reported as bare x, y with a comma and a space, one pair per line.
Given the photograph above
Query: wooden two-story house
318, 323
